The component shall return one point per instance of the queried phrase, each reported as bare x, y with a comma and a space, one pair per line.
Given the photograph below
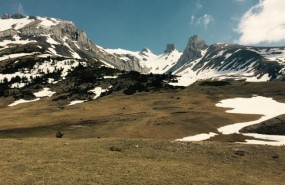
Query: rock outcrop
192, 51
169, 48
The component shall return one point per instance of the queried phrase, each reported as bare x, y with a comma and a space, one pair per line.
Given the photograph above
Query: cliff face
192, 51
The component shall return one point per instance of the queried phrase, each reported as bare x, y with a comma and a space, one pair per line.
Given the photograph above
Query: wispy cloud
205, 20
263, 22
198, 5
20, 8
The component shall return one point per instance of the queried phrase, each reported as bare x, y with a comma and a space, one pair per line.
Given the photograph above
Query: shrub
115, 149
59, 134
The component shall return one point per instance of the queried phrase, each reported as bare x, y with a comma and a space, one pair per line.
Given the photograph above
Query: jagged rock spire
169, 48
191, 52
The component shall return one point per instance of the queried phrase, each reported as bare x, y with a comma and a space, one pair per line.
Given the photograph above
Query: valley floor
171, 114
127, 161
121, 139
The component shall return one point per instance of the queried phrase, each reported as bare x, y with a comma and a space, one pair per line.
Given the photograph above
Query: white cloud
264, 22
198, 5
20, 9
192, 19
205, 20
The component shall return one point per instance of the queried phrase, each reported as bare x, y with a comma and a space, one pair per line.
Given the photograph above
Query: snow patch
46, 92
98, 91
74, 102
110, 77
267, 107
198, 137
21, 101
15, 24
16, 55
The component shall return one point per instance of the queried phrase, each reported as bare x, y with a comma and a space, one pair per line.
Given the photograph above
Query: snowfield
267, 107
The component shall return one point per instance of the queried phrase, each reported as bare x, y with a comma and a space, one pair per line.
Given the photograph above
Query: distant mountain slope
152, 63
47, 50
45, 37
226, 61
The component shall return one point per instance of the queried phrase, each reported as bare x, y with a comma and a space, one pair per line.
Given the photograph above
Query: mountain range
42, 52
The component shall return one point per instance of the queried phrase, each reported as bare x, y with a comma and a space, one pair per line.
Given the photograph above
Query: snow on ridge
5, 43
156, 64
15, 24
188, 76
271, 54
47, 22
107, 64
73, 53
51, 40
16, 55
121, 51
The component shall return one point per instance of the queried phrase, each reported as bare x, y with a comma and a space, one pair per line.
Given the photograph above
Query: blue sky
134, 24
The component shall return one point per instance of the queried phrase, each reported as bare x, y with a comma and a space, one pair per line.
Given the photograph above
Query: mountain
150, 62
49, 37
43, 57
200, 61
228, 61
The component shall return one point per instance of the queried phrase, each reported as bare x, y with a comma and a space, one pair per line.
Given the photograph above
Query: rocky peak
14, 16
192, 52
6, 16
196, 43
169, 48
145, 51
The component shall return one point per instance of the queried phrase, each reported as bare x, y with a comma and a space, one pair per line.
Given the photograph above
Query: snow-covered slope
224, 61
152, 63
50, 37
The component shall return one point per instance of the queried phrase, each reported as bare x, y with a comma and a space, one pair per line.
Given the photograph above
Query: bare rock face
192, 51
17, 16
169, 48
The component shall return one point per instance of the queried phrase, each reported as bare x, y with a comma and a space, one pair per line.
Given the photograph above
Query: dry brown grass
90, 161
158, 115
80, 158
